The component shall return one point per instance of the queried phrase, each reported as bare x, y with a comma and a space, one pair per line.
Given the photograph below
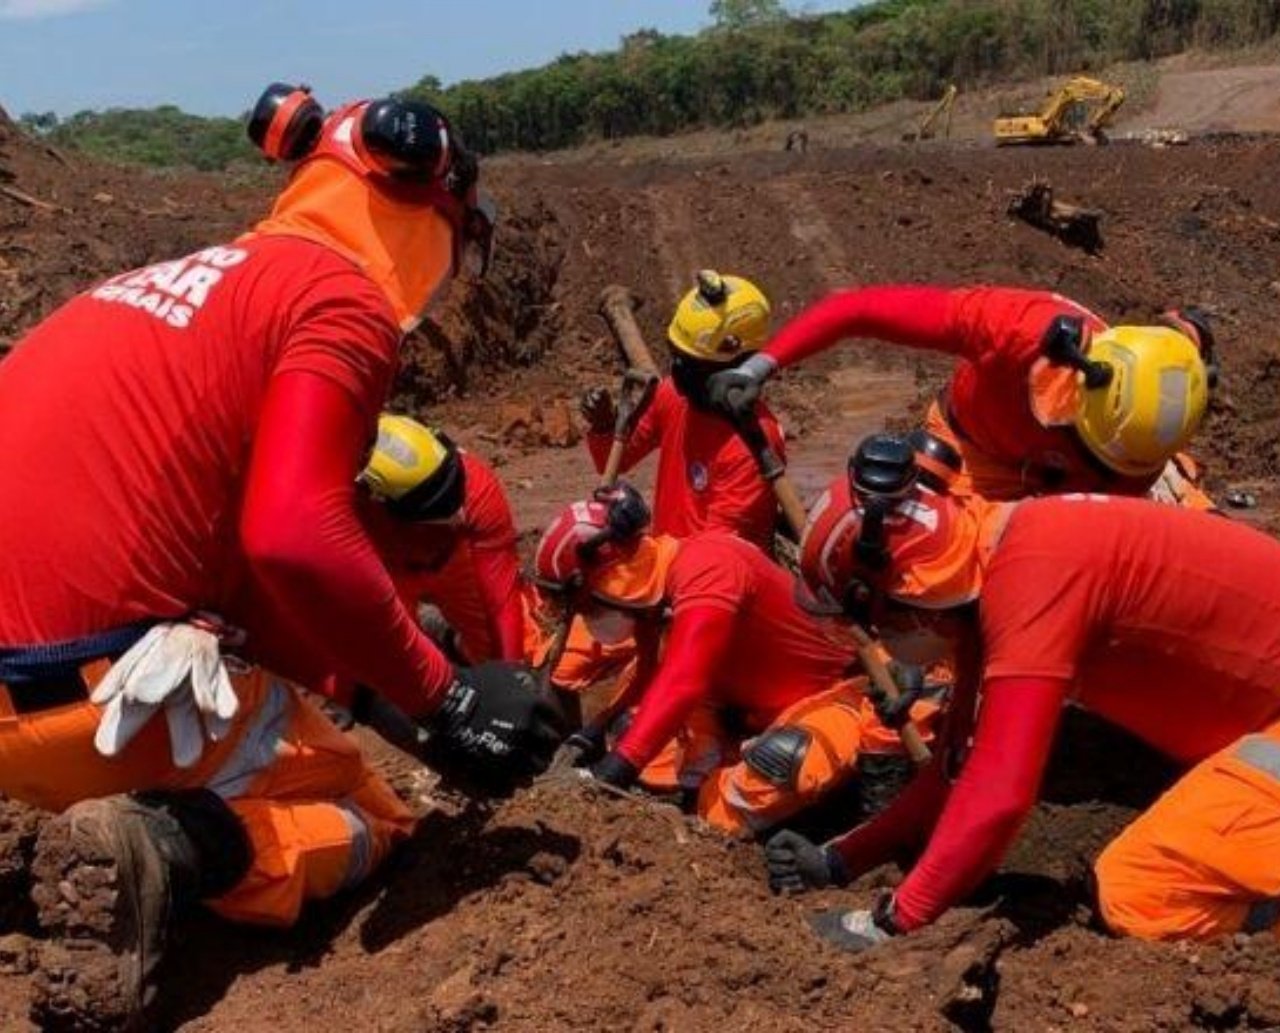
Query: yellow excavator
1078, 110
929, 123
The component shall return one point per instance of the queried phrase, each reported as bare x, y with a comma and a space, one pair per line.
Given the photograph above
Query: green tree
736, 15
40, 123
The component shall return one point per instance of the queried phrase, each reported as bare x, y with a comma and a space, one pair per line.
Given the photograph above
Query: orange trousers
1204, 860
317, 817
999, 481
736, 793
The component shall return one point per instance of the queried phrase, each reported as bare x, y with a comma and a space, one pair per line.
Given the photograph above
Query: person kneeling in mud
1159, 619
737, 644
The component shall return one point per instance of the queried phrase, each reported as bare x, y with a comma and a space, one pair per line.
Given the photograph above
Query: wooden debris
33, 202
1075, 226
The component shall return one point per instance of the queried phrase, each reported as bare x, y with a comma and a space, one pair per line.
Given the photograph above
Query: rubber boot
110, 877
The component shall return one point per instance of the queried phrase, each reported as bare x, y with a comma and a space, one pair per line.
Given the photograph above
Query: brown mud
560, 909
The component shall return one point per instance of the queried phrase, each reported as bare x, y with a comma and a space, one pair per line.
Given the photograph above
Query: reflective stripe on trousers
361, 862
258, 746
1262, 754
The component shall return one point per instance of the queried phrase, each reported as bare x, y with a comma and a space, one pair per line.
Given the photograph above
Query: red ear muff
286, 122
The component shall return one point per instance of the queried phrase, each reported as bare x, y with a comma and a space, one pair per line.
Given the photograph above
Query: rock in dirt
531, 424
17, 954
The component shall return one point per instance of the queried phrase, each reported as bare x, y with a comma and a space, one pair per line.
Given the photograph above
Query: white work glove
177, 666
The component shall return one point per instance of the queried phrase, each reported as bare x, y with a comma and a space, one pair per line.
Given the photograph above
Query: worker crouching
443, 525
766, 716
210, 415
1162, 620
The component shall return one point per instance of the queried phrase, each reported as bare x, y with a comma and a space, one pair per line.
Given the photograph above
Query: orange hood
400, 235
637, 578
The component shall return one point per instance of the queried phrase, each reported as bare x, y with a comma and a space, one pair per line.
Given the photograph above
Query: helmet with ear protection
285, 122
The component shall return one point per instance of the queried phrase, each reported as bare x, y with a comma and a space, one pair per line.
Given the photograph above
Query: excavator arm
928, 124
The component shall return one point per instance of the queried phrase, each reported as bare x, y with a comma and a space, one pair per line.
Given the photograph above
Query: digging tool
586, 739
618, 306
637, 390
555, 651
870, 653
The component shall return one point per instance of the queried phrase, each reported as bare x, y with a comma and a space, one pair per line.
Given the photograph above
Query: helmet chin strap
882, 472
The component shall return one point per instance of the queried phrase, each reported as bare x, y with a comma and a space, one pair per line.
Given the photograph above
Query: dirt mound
1241, 100
564, 908
66, 221
510, 320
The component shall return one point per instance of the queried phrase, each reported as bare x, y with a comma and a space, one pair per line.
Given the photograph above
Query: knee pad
777, 754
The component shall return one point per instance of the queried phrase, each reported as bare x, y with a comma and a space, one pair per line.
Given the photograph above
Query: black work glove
341, 717
796, 864
857, 931
497, 716
615, 770
733, 392
598, 410
911, 689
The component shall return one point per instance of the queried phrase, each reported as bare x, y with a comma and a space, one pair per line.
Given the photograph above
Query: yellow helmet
415, 471
1152, 402
720, 319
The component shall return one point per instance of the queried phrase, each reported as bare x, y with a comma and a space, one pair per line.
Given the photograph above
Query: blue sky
214, 56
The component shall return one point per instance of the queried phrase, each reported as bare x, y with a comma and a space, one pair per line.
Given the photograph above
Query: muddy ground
562, 910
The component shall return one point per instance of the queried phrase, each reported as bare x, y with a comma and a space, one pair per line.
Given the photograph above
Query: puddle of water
861, 400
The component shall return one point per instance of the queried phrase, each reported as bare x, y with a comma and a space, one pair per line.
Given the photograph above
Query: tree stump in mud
1072, 224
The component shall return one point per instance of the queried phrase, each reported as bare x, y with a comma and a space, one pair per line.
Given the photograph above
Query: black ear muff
404, 139
1063, 344
285, 123
938, 462
884, 466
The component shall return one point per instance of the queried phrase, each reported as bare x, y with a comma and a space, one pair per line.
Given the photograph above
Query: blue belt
22, 665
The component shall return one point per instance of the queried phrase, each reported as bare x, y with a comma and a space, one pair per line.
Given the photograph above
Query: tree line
756, 63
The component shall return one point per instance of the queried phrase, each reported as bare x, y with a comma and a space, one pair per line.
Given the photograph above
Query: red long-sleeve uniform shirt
996, 334
1163, 620
187, 436
707, 478
469, 569
737, 638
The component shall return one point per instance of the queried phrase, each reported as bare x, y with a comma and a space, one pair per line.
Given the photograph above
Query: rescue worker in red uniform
766, 716
1162, 620
206, 419
1045, 398
440, 520
707, 477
